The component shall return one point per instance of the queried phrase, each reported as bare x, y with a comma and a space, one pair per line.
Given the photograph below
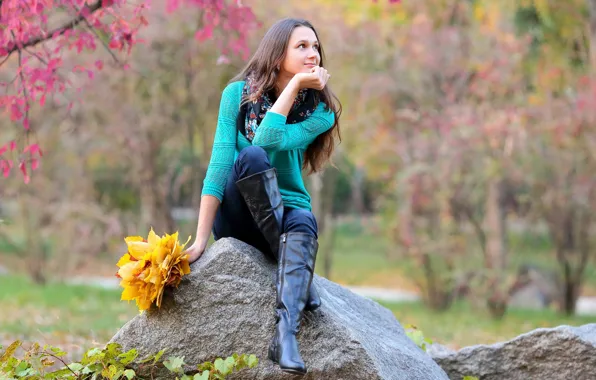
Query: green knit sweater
284, 143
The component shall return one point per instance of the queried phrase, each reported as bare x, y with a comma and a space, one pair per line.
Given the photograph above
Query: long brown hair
263, 66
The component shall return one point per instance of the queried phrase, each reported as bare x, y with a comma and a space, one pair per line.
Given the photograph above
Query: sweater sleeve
273, 134
224, 144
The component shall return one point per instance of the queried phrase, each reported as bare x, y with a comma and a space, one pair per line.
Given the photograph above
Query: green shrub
108, 363
417, 336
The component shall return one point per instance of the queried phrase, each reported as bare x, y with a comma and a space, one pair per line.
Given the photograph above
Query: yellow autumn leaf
138, 249
124, 260
152, 238
131, 270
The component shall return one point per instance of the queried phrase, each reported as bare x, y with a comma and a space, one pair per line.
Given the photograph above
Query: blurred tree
36, 38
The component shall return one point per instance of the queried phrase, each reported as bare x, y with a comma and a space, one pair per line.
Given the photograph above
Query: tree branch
102, 41
57, 31
24, 85
4, 60
48, 353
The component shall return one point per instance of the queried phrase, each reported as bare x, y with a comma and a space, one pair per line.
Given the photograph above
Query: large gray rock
562, 353
226, 305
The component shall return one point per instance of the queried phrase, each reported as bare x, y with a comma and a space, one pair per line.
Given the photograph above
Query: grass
358, 256
74, 317
462, 325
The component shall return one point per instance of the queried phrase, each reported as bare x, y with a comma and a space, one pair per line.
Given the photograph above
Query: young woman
277, 117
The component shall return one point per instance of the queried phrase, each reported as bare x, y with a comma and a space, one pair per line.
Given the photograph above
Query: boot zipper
283, 238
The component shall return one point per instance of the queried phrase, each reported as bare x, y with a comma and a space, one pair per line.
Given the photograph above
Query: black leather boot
297, 256
261, 194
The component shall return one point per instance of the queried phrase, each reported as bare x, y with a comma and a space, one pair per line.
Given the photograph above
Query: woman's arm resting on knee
207, 211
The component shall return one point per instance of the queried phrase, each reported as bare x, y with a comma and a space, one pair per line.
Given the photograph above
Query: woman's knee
299, 220
253, 159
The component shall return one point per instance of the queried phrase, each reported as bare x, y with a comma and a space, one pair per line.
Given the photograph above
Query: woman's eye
316, 47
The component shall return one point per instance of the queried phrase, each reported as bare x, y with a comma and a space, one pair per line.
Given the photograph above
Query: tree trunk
327, 224
570, 290
34, 250
155, 212
316, 190
495, 227
570, 230
329, 238
496, 248
356, 185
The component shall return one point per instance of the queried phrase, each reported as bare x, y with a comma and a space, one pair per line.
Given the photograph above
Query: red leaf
204, 34
23, 168
32, 149
5, 167
115, 44
15, 112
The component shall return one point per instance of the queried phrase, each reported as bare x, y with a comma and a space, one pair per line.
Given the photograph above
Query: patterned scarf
252, 113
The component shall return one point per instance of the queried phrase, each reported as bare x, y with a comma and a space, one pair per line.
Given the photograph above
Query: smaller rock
559, 353
528, 297
534, 288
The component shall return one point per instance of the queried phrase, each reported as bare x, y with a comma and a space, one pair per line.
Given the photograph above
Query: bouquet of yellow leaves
149, 266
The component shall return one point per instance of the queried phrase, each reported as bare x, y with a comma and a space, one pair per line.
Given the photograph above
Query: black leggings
233, 219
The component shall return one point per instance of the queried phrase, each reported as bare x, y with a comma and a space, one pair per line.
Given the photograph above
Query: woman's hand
195, 251
316, 79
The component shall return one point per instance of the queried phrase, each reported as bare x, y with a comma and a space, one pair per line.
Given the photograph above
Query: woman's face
302, 53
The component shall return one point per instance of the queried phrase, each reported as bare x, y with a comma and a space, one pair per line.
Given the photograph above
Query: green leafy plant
108, 363
417, 336
218, 369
